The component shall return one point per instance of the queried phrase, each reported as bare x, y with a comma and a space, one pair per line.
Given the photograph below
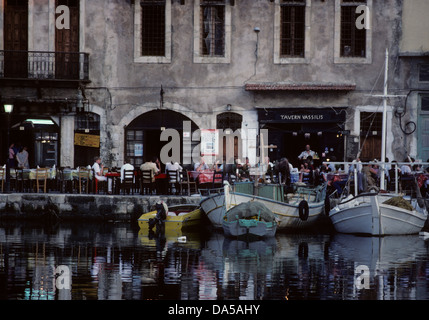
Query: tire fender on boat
303, 210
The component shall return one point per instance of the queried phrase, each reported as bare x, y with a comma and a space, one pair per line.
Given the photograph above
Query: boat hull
372, 217
188, 216
214, 208
287, 214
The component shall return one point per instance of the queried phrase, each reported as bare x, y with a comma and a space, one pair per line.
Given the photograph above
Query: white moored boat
369, 214
299, 210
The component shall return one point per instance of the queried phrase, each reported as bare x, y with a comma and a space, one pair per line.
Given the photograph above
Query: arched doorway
143, 135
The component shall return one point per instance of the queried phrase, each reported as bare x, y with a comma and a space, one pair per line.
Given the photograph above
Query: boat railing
382, 165
365, 194
319, 192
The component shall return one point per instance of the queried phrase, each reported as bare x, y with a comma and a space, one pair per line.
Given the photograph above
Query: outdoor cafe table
202, 177
161, 183
32, 173
115, 177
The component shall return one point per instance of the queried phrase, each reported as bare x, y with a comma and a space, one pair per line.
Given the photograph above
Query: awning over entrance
291, 129
302, 115
300, 86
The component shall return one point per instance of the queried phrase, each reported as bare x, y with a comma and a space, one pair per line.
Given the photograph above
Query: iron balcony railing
44, 65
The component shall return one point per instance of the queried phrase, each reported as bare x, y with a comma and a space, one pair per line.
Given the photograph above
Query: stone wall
79, 207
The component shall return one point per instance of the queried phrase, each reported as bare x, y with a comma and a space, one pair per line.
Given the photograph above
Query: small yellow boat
177, 217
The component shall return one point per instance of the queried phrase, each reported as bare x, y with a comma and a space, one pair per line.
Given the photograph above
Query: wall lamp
8, 108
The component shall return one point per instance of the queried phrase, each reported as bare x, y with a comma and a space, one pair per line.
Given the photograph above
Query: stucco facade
249, 78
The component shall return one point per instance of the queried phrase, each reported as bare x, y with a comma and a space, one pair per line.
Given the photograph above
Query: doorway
67, 44
144, 132
423, 129
41, 137
16, 39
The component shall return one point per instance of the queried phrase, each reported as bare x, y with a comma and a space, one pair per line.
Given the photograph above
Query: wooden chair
173, 181
66, 180
41, 178
146, 182
13, 179
128, 181
97, 184
19, 179
187, 182
83, 179
217, 179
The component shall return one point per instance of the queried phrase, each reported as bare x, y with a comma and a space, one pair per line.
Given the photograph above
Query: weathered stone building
299, 68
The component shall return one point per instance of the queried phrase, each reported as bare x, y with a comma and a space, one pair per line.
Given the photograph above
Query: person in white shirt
126, 166
98, 173
170, 166
405, 168
306, 153
22, 158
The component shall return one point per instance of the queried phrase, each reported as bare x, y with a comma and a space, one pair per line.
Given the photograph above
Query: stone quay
81, 207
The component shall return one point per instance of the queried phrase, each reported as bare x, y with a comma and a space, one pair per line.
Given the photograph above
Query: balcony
19, 66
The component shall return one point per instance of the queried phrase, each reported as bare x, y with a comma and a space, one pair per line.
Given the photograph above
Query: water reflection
116, 261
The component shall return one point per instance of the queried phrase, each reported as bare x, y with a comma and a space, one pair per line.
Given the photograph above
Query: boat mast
385, 96
384, 126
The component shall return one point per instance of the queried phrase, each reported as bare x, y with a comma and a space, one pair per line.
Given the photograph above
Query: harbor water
102, 261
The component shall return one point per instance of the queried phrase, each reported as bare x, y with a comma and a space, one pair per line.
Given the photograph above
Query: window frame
198, 56
338, 58
284, 59
138, 41
420, 67
421, 97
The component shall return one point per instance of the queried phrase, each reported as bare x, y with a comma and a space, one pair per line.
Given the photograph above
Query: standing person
283, 170
98, 173
306, 153
11, 158
246, 168
22, 158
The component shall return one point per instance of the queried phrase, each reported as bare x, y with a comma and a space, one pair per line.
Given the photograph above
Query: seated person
218, 167
152, 165
304, 172
170, 166
126, 166
201, 165
406, 169
97, 167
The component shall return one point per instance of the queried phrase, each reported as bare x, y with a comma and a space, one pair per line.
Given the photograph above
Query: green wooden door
423, 129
